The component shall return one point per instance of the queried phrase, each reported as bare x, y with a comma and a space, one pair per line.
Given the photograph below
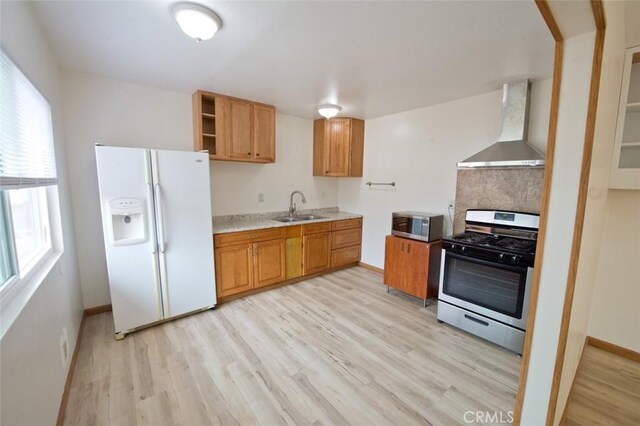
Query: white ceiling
373, 58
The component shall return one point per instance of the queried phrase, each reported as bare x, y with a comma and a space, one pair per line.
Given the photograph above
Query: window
28, 182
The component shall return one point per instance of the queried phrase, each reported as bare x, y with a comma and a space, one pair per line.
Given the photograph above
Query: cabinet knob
257, 154
249, 154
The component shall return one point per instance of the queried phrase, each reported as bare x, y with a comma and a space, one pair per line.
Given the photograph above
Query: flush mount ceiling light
196, 21
329, 110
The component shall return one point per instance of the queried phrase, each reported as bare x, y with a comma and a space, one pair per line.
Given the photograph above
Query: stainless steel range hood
512, 148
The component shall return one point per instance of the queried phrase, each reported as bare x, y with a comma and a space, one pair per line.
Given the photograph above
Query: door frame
600, 24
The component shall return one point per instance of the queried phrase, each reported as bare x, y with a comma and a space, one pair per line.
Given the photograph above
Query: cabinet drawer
233, 238
346, 238
294, 231
316, 228
345, 256
346, 224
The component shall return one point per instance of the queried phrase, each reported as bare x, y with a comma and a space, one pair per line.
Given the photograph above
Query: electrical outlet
260, 197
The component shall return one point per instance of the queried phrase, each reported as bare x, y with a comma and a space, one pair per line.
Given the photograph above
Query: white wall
576, 78
614, 310
419, 150
591, 250
112, 112
31, 366
235, 186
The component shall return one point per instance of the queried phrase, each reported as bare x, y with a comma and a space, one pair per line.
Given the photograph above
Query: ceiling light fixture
196, 21
329, 110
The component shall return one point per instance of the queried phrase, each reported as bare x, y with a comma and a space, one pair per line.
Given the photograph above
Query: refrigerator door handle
156, 279
165, 290
161, 241
152, 221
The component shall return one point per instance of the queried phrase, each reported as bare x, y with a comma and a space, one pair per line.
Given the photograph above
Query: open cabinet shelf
625, 166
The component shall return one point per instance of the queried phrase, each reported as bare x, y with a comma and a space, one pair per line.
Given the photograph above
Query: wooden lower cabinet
249, 260
316, 250
345, 256
234, 269
243, 267
412, 267
268, 262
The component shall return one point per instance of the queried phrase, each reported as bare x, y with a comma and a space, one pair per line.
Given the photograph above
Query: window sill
15, 298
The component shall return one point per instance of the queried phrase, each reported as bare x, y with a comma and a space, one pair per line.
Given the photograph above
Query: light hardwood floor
606, 391
336, 349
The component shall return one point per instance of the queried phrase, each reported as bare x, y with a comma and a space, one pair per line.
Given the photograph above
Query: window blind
27, 157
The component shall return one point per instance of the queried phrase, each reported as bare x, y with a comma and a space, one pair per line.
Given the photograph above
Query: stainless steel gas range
486, 272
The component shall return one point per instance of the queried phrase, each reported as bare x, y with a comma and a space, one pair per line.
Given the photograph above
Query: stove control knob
453, 247
463, 248
515, 258
501, 256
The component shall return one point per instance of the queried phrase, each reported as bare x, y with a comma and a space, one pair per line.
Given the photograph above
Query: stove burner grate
496, 241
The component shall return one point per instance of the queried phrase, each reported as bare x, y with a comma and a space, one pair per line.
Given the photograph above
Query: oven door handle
519, 269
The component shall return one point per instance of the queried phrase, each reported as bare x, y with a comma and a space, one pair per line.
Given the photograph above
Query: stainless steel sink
311, 217
301, 218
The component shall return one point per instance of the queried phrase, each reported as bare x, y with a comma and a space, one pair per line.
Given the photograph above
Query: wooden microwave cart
412, 266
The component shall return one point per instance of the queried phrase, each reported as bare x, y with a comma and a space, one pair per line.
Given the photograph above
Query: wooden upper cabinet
234, 129
240, 141
338, 147
209, 124
264, 132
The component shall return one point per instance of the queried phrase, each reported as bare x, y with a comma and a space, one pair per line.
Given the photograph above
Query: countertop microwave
417, 225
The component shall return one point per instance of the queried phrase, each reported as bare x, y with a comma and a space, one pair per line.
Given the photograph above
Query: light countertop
248, 222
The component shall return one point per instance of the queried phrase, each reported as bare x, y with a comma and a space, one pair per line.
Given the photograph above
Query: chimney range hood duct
512, 148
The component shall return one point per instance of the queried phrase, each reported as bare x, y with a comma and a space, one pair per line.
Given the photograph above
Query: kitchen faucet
292, 205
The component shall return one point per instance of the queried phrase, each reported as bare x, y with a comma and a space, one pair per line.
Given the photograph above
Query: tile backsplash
499, 189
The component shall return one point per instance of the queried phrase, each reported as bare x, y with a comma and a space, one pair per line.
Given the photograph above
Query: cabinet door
416, 269
394, 261
293, 257
345, 256
317, 252
269, 262
337, 147
240, 143
234, 269
264, 132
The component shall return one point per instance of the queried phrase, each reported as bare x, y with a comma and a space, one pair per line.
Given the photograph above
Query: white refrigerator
156, 218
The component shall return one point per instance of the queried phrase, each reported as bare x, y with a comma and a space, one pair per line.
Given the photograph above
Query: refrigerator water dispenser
128, 225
